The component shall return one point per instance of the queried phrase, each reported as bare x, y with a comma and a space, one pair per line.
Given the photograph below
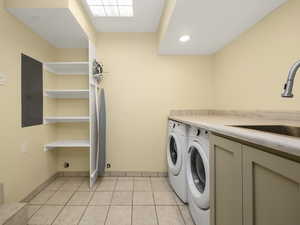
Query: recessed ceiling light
184, 38
111, 8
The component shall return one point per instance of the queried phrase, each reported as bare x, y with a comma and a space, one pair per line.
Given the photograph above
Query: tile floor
113, 201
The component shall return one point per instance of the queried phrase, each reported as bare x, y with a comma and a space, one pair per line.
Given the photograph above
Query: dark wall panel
32, 91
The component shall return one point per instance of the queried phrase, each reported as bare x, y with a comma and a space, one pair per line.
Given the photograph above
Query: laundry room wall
249, 73
141, 87
23, 163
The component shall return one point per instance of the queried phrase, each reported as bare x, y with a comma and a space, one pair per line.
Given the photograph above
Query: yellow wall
141, 87
21, 171
250, 72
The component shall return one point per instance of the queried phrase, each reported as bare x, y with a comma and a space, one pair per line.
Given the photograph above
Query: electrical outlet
24, 147
108, 165
66, 165
2, 79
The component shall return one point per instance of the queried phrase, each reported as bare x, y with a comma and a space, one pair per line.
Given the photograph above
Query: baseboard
135, 174
114, 174
37, 190
73, 174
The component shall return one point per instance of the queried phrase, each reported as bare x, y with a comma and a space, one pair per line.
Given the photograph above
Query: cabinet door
226, 181
271, 189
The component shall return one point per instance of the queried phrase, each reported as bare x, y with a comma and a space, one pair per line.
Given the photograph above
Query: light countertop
220, 124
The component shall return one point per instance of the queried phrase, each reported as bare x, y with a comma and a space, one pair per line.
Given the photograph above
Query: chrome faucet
288, 86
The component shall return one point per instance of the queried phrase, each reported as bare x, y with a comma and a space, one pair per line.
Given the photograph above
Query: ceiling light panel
124, 2
97, 10
111, 8
94, 2
126, 11
109, 2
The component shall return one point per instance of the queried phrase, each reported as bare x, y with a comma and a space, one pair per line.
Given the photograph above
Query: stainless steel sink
276, 129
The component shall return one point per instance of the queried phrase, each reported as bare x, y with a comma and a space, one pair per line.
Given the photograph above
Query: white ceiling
147, 14
212, 23
58, 26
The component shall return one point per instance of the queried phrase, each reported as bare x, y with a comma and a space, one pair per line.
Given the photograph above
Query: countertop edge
283, 144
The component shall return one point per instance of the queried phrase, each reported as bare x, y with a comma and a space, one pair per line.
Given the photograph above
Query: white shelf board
77, 94
66, 119
68, 144
67, 68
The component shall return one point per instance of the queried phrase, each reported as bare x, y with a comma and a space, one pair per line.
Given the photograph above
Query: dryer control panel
197, 132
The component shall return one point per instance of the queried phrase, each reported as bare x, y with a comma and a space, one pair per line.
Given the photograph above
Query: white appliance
198, 175
176, 158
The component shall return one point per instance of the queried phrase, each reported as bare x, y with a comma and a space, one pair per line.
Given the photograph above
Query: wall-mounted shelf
68, 144
66, 119
67, 94
67, 68
74, 89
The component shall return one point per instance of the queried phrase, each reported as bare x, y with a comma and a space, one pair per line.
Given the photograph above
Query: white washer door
198, 175
174, 154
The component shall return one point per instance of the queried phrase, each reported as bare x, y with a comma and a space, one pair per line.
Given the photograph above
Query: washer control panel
178, 127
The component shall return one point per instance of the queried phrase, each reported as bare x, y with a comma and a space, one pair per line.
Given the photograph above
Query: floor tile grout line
45, 203
82, 214
63, 207
84, 211
132, 195
91, 198
55, 191
182, 217
106, 218
109, 206
157, 220
155, 207
40, 206
76, 190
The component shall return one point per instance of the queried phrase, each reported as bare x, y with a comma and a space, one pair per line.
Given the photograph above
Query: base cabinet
252, 187
271, 189
226, 185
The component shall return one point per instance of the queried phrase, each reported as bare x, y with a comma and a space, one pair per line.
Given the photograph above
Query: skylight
111, 8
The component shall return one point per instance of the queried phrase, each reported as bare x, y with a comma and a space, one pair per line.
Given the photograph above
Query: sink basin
276, 129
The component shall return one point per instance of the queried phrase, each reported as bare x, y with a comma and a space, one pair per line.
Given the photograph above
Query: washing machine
197, 174
176, 158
